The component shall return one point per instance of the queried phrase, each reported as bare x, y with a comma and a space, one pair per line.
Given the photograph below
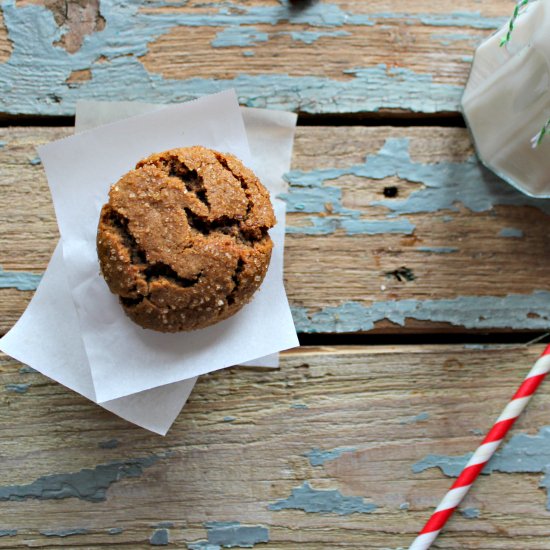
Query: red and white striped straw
484, 452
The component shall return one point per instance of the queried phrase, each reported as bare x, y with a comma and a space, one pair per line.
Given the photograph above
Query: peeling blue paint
203, 545
526, 311
444, 185
20, 280
299, 406
322, 501
404, 506
511, 232
474, 20
17, 388
2, 144
230, 534
35, 161
125, 38
27, 370
524, 453
309, 37
437, 249
450, 465
241, 37
8, 532
229, 419
115, 531
87, 484
64, 532
159, 538
317, 457
351, 226
413, 419
470, 513
109, 444
249, 53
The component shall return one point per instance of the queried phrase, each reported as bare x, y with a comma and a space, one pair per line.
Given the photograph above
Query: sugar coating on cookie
183, 240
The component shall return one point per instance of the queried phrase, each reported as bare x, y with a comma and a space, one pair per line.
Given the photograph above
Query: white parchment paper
47, 336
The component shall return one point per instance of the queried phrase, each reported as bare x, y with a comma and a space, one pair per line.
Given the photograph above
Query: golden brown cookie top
183, 239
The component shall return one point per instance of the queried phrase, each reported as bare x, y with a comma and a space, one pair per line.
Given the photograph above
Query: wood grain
5, 44
476, 261
331, 57
242, 441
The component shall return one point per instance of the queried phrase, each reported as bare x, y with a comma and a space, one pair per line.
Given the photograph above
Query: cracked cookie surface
183, 240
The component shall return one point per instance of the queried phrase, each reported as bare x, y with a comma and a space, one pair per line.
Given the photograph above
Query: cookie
183, 240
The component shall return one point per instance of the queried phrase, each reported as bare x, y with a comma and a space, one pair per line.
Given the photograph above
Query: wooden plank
331, 57
469, 252
5, 46
356, 421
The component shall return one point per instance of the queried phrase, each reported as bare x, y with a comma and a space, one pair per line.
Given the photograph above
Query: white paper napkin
47, 336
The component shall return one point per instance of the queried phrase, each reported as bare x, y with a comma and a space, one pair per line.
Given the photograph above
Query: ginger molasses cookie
183, 240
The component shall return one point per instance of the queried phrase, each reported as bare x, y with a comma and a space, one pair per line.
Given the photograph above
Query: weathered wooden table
416, 278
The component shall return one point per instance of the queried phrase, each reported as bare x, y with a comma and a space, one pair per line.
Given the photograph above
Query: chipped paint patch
524, 453
309, 37
352, 226
229, 534
34, 33
115, 531
470, 513
323, 501
404, 506
450, 465
17, 388
64, 532
203, 545
442, 186
20, 280
35, 161
526, 311
437, 249
229, 419
27, 370
413, 419
109, 444
87, 484
317, 457
2, 144
159, 538
299, 406
121, 33
241, 37
511, 233
244, 37
8, 532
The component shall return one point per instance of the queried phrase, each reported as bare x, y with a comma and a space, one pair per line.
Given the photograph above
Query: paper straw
483, 454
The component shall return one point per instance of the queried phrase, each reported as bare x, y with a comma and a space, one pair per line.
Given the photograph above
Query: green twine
517, 9
537, 140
